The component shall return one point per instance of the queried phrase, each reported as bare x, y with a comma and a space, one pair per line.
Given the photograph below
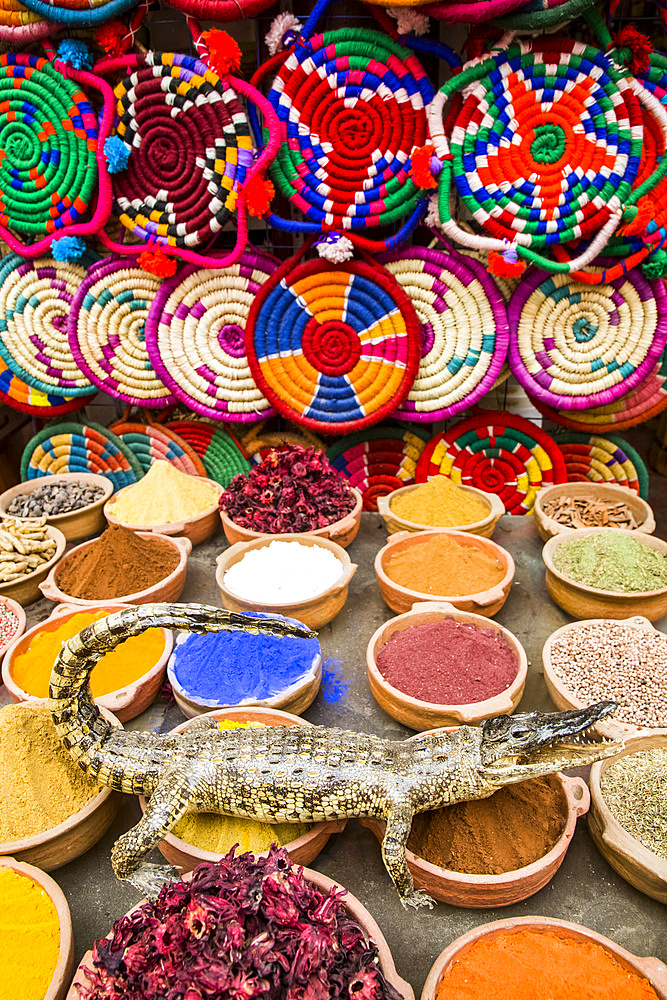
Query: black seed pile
55, 498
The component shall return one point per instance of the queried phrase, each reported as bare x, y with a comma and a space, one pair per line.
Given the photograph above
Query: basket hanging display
378, 460
20, 26
151, 443
195, 336
464, 330
106, 332
333, 347
73, 447
25, 398
575, 346
603, 460
497, 452
35, 299
222, 455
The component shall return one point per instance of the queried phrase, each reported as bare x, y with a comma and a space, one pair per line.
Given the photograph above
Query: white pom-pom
336, 250
279, 27
410, 21
432, 219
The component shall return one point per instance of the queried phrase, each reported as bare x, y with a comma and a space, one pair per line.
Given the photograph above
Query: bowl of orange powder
125, 681
441, 503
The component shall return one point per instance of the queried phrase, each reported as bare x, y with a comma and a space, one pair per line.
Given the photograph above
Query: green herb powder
612, 561
635, 789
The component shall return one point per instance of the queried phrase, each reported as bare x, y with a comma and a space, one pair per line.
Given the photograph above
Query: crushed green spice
612, 561
635, 789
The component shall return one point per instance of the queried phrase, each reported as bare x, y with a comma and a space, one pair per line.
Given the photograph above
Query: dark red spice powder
448, 662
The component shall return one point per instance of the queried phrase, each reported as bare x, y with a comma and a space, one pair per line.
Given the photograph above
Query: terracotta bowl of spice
532, 957
573, 506
12, 623
424, 566
455, 654
302, 850
446, 504
628, 815
314, 611
137, 667
119, 559
36, 943
26, 589
601, 573
74, 524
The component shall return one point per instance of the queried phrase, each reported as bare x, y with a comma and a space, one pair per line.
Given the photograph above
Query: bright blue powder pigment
334, 687
230, 667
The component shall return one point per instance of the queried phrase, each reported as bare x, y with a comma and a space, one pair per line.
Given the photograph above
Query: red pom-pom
109, 36
156, 262
258, 191
639, 45
645, 211
479, 40
503, 268
224, 54
420, 171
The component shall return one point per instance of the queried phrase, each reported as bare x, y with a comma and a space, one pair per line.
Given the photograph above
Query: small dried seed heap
635, 789
55, 498
589, 512
24, 547
611, 660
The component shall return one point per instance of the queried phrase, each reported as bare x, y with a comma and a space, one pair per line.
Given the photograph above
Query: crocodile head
529, 744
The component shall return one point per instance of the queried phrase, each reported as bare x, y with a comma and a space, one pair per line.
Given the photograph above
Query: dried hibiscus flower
243, 927
294, 489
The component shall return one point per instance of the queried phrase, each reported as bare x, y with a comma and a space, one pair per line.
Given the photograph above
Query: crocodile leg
168, 804
399, 821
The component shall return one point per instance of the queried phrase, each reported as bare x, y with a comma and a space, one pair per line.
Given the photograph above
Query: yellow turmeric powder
35, 656
440, 503
29, 937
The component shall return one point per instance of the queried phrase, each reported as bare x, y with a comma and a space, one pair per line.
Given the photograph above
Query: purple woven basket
574, 346
464, 329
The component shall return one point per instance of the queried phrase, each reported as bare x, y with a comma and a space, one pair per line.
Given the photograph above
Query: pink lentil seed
8, 624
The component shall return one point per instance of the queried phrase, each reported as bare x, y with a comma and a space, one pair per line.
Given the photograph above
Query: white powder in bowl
283, 573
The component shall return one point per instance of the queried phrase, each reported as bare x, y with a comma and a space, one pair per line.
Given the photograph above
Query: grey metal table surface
585, 889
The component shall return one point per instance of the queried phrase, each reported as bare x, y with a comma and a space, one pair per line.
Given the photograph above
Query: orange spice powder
441, 566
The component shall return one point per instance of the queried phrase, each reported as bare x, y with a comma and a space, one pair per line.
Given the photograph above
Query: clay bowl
197, 529
633, 862
547, 527
12, 606
650, 968
26, 590
401, 599
424, 715
483, 528
125, 703
356, 910
76, 524
591, 602
61, 844
302, 851
342, 532
169, 589
62, 974
563, 698
314, 612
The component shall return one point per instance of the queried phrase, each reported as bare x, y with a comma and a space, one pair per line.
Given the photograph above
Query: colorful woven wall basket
511, 13
463, 328
23, 397
220, 452
221, 10
195, 337
603, 460
575, 346
35, 299
351, 105
106, 332
79, 13
72, 447
333, 347
19, 26
378, 460
189, 149
498, 452
151, 443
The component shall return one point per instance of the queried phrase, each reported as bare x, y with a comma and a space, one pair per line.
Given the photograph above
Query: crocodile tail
79, 722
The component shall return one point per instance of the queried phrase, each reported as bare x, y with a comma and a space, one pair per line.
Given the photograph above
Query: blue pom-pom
117, 154
68, 248
75, 52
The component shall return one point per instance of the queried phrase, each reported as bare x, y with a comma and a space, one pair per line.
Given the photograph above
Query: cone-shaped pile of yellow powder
163, 496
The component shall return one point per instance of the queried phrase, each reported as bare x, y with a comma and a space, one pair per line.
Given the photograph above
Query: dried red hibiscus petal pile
241, 928
294, 489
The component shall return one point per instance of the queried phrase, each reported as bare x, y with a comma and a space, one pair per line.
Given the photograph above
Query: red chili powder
448, 662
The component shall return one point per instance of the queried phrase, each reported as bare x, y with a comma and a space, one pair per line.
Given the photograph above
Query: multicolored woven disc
151, 443
48, 140
190, 149
379, 460
195, 337
80, 448
333, 347
20, 396
220, 452
106, 332
19, 25
35, 300
351, 105
463, 327
603, 460
575, 345
497, 452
